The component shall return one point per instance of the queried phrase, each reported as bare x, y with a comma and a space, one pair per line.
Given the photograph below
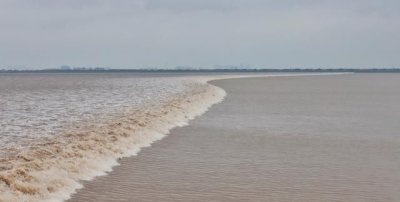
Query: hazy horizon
170, 33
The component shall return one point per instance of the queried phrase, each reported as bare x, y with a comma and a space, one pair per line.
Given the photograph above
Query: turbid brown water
313, 138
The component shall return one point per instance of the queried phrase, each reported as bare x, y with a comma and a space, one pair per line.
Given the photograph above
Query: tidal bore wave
53, 168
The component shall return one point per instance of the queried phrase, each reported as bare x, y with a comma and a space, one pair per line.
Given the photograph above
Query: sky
200, 33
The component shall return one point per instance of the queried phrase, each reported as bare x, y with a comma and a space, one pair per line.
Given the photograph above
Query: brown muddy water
311, 138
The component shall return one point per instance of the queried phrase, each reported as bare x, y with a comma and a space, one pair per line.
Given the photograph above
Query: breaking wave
51, 169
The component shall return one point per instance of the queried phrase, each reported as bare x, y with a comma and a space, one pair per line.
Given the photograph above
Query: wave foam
51, 170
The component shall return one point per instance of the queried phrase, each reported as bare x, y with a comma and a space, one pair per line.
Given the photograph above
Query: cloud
141, 33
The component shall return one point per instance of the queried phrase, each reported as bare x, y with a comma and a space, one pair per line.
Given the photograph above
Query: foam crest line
52, 169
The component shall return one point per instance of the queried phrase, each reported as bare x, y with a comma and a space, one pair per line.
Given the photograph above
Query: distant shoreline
375, 70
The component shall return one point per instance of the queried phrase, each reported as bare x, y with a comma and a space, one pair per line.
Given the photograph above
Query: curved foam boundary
53, 169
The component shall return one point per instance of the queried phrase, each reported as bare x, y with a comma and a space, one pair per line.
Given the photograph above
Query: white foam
52, 169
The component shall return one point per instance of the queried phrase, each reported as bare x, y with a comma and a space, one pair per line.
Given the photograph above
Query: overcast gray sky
168, 33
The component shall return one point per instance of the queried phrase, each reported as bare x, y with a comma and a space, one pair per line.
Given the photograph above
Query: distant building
80, 68
99, 68
65, 67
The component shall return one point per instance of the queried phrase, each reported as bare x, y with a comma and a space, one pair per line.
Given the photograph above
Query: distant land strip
372, 70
